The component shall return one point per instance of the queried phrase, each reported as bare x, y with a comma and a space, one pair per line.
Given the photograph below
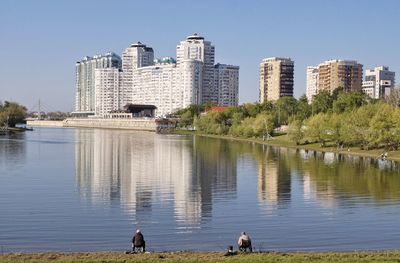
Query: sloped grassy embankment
203, 257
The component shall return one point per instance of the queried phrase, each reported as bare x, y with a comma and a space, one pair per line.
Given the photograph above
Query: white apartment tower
227, 84
156, 85
190, 80
85, 80
312, 83
167, 84
378, 82
196, 48
136, 56
107, 92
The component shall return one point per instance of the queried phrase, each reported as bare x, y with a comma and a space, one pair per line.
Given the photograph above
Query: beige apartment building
276, 78
340, 73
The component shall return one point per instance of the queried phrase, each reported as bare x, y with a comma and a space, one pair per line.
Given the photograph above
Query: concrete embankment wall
44, 123
128, 124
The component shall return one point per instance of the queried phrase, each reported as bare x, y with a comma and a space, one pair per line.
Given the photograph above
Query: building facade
312, 83
194, 47
155, 85
166, 83
136, 56
276, 78
190, 81
227, 84
85, 80
379, 82
346, 74
107, 92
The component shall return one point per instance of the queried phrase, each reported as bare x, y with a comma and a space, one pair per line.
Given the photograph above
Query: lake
90, 189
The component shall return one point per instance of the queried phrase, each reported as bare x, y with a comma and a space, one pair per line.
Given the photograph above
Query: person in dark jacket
138, 243
244, 242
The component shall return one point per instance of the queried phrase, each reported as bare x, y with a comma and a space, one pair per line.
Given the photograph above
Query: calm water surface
89, 189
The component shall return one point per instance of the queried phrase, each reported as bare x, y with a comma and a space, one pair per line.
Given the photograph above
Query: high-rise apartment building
276, 78
379, 82
136, 56
194, 47
85, 80
107, 92
189, 80
312, 83
227, 83
333, 74
155, 85
165, 83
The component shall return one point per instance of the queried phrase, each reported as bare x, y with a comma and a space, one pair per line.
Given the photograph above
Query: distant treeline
11, 113
342, 119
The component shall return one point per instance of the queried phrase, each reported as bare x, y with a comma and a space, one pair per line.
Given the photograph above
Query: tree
295, 131
349, 131
251, 110
303, 108
210, 123
267, 106
348, 101
12, 113
382, 128
244, 129
393, 98
316, 128
336, 92
333, 127
263, 125
237, 118
355, 125
284, 108
186, 119
322, 102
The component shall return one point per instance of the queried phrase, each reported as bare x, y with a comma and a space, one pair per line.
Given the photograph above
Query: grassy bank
204, 257
283, 141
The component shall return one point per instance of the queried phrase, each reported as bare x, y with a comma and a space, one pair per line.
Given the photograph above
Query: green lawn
204, 257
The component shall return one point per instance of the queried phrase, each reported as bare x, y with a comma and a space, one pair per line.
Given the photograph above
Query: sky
40, 40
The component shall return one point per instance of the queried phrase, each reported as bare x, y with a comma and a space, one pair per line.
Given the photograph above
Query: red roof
216, 108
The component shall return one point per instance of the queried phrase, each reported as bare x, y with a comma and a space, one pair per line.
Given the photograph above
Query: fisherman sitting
244, 243
138, 243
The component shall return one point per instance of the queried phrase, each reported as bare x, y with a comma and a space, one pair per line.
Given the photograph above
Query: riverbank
382, 256
142, 124
283, 141
44, 123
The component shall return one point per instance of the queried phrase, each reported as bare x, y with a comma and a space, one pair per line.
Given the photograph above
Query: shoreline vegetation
284, 142
341, 122
339, 257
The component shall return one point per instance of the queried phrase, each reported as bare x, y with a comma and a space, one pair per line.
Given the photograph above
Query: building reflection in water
333, 180
140, 169
329, 179
274, 177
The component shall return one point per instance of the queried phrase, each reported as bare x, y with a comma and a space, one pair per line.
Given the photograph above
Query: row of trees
340, 118
370, 126
11, 113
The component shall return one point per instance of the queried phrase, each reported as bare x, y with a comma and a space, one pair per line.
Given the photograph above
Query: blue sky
40, 41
